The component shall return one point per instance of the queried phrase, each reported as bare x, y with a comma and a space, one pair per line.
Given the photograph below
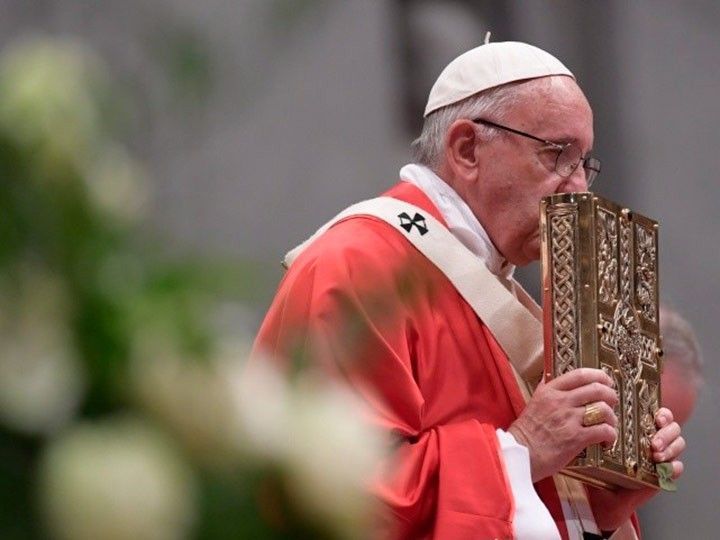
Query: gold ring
593, 415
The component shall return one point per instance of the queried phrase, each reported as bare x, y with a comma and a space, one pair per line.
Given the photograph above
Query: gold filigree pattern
614, 452
608, 340
625, 260
600, 297
647, 350
607, 337
564, 301
647, 406
626, 331
607, 239
646, 272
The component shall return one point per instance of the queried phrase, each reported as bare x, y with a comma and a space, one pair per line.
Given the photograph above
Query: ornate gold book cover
600, 309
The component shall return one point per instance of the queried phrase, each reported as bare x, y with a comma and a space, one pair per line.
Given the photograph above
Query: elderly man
410, 299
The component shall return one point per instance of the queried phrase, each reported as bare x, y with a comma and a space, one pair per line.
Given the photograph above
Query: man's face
516, 172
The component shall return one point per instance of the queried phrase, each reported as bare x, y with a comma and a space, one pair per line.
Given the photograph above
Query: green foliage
124, 412
59, 241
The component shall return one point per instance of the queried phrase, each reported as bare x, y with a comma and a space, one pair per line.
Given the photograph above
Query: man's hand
551, 426
667, 443
612, 508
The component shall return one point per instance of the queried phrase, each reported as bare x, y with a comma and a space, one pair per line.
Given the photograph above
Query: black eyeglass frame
590, 164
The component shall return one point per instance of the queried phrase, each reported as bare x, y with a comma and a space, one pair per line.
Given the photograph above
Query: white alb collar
458, 216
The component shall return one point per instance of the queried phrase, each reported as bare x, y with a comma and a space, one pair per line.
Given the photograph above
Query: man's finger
665, 436
673, 450
605, 414
678, 469
580, 377
663, 417
591, 393
600, 434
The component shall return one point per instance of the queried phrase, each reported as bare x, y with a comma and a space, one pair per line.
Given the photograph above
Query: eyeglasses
568, 158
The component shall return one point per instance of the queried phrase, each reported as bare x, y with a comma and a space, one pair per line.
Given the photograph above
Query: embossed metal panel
600, 308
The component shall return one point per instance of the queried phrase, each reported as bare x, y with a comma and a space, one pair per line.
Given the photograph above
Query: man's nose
577, 181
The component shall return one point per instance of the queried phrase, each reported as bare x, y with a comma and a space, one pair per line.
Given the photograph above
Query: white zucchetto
488, 66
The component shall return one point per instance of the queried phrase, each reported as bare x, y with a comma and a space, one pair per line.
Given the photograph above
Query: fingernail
658, 445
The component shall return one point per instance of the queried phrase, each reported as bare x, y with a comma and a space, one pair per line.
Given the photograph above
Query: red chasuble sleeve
368, 308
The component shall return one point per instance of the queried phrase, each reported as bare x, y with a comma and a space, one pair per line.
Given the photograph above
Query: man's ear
461, 148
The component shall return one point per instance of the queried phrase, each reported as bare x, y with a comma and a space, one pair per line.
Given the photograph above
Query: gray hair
494, 104
680, 344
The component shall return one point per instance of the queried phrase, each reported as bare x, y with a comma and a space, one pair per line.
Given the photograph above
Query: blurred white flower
116, 184
234, 411
314, 430
116, 480
190, 397
41, 383
262, 403
332, 457
46, 99
50, 103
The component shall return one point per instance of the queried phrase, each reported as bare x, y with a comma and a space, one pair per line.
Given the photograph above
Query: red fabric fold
364, 305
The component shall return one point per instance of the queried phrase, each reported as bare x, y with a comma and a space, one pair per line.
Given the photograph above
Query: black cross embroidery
406, 222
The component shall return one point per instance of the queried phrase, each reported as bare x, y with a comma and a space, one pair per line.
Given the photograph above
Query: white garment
459, 218
532, 520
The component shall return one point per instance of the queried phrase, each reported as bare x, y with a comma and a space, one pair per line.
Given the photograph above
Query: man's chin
528, 252
532, 249
526, 258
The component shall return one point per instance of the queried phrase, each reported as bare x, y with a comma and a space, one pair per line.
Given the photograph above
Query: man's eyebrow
563, 138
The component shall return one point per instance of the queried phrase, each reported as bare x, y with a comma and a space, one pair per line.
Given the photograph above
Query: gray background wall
304, 107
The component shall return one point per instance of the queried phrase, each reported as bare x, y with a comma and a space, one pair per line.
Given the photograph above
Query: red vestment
369, 308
